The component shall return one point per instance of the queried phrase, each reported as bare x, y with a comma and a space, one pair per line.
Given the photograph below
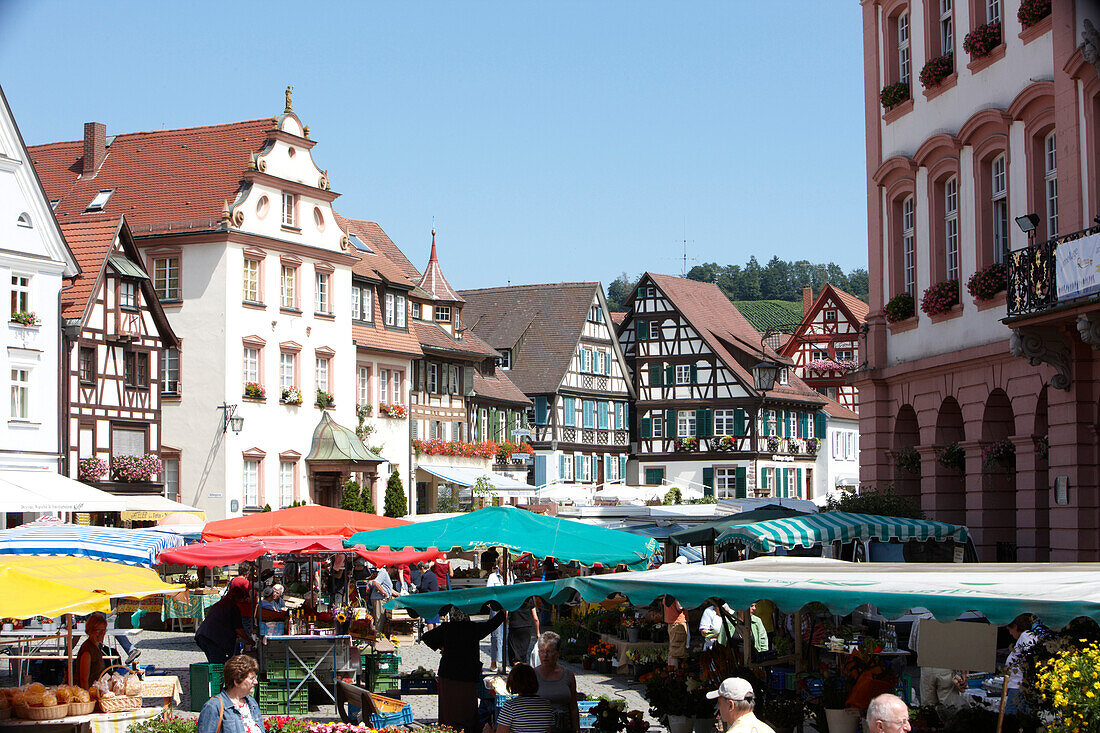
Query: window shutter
647, 427
694, 374
595, 469
421, 375
468, 381
586, 410
568, 412
710, 422
494, 425
708, 481
445, 382
738, 421
803, 425
783, 483
670, 374
654, 375
607, 458
641, 330
783, 424
607, 363
578, 468
561, 467
622, 468
670, 424
540, 411
540, 470
821, 425
798, 482
763, 478
742, 484
700, 423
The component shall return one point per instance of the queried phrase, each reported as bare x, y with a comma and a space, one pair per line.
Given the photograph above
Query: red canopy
229, 552
298, 521
398, 557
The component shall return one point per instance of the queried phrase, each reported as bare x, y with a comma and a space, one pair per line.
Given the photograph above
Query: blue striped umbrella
826, 527
129, 546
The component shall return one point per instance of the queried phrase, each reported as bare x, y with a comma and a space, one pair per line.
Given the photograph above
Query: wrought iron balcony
1032, 275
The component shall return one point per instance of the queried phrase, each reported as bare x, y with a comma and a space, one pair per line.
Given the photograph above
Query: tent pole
69, 649
504, 641
1004, 696
798, 641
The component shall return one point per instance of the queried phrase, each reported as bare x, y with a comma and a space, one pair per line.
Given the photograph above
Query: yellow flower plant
1069, 682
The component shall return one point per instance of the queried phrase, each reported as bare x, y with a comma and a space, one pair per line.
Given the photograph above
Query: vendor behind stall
89, 657
222, 628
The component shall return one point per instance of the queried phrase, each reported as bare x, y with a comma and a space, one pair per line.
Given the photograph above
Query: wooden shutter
622, 468
783, 424
540, 470
694, 374
540, 411
783, 482
601, 415
578, 468
586, 413
803, 425
494, 425
421, 375
821, 425
670, 423
708, 481
742, 482
655, 375
561, 467
798, 482
468, 381
568, 412
670, 374
763, 478
607, 362
710, 422
641, 330
647, 427
738, 421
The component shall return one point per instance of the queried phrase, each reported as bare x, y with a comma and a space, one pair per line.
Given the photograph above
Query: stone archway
906, 438
1033, 486
997, 517
949, 484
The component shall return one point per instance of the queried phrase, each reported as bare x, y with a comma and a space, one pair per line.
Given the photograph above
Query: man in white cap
736, 701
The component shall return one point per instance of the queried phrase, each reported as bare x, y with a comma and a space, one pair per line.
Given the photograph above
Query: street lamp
764, 375
1027, 224
230, 419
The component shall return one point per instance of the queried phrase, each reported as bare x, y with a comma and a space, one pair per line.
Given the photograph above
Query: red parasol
298, 521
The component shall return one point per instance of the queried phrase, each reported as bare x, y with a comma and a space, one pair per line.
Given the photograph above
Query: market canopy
154, 507
826, 527
520, 531
707, 533
468, 476
298, 521
229, 552
1056, 592
48, 491
129, 546
51, 586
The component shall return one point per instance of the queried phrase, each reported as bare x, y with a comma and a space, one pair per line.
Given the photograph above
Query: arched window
24, 220
951, 227
908, 247
1050, 180
999, 207
904, 63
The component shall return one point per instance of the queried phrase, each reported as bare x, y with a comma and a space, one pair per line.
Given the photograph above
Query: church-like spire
433, 280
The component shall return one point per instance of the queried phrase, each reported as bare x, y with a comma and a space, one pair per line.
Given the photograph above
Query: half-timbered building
116, 334
698, 419
825, 345
556, 342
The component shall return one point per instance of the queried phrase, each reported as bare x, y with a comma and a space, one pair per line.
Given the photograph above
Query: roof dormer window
54, 203
100, 200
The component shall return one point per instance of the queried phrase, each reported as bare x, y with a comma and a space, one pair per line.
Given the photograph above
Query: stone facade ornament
1088, 326
322, 183
1044, 346
289, 106
1090, 44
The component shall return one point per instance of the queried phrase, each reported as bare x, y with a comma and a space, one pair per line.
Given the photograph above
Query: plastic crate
294, 707
286, 674
588, 722
390, 712
381, 664
501, 699
206, 681
586, 706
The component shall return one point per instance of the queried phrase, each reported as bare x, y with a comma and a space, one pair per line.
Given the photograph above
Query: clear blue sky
551, 141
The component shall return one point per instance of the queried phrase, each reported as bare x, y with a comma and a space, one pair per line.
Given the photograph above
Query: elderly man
736, 701
888, 714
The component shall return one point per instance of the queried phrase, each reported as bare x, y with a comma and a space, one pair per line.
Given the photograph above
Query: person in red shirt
244, 590
443, 572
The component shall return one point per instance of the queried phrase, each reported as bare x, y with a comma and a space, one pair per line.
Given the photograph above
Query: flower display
461, 448
724, 443
134, 468
392, 409
894, 94
952, 456
1042, 447
92, 469
908, 460
813, 445
988, 281
687, 444
982, 40
25, 318
940, 298
1069, 682
936, 70
601, 650
291, 396
773, 443
901, 307
324, 399
822, 366
254, 390
507, 449
1001, 452
1032, 11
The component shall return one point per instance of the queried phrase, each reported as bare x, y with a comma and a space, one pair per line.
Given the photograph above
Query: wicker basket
53, 712
5, 713
119, 704
81, 708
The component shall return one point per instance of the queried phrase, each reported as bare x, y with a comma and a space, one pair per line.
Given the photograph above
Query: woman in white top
496, 639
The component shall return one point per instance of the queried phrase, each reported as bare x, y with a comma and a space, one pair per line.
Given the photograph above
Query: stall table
622, 647
324, 659
33, 644
92, 723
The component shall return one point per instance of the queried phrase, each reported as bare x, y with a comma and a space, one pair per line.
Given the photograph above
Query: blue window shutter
601, 415
607, 363
595, 468
798, 482
578, 468
821, 426
540, 411
670, 424
742, 482
540, 470
655, 374
626, 416
803, 425
561, 467
618, 415
587, 410
607, 458
646, 427
708, 481
567, 414
622, 467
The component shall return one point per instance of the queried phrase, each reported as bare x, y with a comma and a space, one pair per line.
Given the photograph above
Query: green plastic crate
206, 681
385, 664
294, 707
385, 682
277, 675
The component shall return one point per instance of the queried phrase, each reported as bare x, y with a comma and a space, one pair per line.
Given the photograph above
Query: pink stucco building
979, 112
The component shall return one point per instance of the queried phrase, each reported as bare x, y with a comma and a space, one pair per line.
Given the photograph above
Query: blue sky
551, 141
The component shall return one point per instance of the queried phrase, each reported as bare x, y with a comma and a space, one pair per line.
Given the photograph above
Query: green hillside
764, 314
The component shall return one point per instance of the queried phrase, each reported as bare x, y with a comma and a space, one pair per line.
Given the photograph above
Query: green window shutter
701, 423
738, 421
763, 478
821, 425
708, 481
670, 374
670, 424
468, 381
694, 374
710, 422
654, 375
798, 482
494, 425
541, 409
783, 483
783, 424
803, 425
742, 479
641, 330
647, 427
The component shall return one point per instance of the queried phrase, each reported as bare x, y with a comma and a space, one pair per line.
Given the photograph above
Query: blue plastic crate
588, 722
402, 717
501, 699
585, 706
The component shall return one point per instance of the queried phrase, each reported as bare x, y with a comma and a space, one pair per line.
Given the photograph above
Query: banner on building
1078, 267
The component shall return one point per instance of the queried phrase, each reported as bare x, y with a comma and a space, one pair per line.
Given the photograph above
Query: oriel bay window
128, 294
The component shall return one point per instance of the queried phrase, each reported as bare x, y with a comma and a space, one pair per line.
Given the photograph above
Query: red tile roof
378, 264
728, 333
498, 388
434, 282
432, 336
835, 409
90, 240
617, 317
159, 177
856, 307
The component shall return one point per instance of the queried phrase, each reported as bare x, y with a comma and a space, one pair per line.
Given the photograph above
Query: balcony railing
1032, 275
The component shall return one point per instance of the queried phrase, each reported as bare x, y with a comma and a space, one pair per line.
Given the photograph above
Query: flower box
908, 460
982, 40
813, 445
393, 410
133, 469
1001, 452
901, 307
92, 469
324, 399
952, 456
940, 298
254, 391
437, 447
988, 281
1032, 11
291, 396
773, 443
25, 318
936, 70
724, 443
824, 366
686, 445
894, 94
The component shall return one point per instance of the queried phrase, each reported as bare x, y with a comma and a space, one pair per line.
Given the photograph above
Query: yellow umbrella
51, 586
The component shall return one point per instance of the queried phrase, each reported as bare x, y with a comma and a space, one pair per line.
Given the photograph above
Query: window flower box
324, 399
894, 94
936, 70
363, 411
254, 391
25, 318
982, 40
1000, 453
940, 298
436, 447
901, 307
824, 366
1032, 11
507, 449
291, 396
724, 443
988, 281
686, 445
133, 469
92, 469
773, 443
813, 445
393, 410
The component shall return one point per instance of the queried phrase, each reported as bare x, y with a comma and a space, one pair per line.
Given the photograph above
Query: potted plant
254, 391
608, 716
92, 469
940, 298
988, 281
1000, 453
784, 711
982, 40
25, 318
724, 443
813, 445
773, 443
901, 307
324, 399
894, 94
632, 634
936, 70
133, 469
636, 722
952, 456
1042, 446
685, 445
839, 717
1032, 11
291, 396
908, 460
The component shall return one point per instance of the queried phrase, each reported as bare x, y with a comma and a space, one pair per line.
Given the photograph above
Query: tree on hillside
396, 506
779, 279
618, 290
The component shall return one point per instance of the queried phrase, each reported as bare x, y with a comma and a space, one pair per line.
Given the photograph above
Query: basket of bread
79, 700
118, 689
5, 706
36, 702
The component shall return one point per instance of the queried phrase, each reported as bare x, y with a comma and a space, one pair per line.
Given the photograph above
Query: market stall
128, 546
297, 522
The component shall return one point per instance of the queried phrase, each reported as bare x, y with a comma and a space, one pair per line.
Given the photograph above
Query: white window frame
286, 483
724, 421
904, 57
1050, 182
612, 468
793, 490
288, 285
586, 469
127, 294
657, 426
170, 370
290, 202
399, 310
20, 393
453, 381
250, 364
170, 468
250, 280
784, 375
321, 302
389, 309
685, 424
127, 441
951, 227
683, 374
166, 277
322, 373
100, 200
998, 172
505, 358
442, 314
992, 11
947, 27
725, 482
20, 293
908, 247
383, 384
250, 482
363, 384
287, 367
396, 384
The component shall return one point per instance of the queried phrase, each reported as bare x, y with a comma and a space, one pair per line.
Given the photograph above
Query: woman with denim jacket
234, 710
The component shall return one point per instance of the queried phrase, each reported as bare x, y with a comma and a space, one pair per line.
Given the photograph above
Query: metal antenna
684, 259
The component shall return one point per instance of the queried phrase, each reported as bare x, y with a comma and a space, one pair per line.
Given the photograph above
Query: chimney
95, 147
807, 298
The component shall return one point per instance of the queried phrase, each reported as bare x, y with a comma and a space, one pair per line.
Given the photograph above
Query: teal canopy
707, 533
1058, 593
520, 531
826, 527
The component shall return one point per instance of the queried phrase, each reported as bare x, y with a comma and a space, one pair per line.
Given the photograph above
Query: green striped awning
826, 527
